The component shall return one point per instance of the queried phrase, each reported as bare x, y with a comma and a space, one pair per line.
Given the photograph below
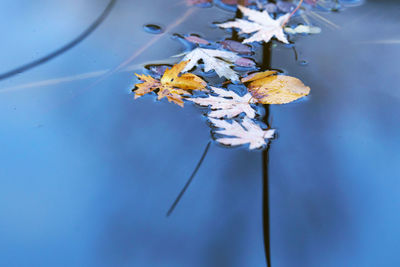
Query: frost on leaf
171, 85
226, 104
268, 88
218, 60
246, 132
260, 24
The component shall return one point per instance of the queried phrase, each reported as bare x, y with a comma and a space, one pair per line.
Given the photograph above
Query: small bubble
303, 62
152, 28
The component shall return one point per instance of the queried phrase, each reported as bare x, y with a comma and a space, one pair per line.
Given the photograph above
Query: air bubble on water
303, 62
153, 28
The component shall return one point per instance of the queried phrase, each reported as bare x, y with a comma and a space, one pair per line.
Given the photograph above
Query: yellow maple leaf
171, 85
268, 88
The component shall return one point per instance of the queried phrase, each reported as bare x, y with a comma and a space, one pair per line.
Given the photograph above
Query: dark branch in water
171, 209
64, 48
296, 56
266, 64
266, 215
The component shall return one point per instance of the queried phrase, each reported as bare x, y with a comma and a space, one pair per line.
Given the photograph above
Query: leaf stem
293, 12
178, 198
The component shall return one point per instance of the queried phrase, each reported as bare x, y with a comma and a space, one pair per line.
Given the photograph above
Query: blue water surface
87, 173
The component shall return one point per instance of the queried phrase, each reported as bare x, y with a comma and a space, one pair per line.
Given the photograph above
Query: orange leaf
149, 85
171, 85
258, 75
267, 88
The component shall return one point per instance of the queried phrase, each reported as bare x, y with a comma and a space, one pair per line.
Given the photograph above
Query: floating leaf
261, 24
236, 47
196, 40
171, 85
248, 132
258, 75
218, 60
226, 104
268, 88
245, 62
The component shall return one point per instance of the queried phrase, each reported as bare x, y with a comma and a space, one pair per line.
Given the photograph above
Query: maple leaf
268, 88
248, 132
261, 24
170, 85
218, 60
226, 104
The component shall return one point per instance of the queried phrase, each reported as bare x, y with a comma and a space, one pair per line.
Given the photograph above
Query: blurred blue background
87, 173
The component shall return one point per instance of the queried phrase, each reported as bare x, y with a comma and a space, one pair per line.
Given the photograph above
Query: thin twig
296, 56
62, 49
291, 14
171, 209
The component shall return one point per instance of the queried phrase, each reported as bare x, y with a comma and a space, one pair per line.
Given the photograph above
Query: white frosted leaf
218, 60
246, 132
261, 24
227, 104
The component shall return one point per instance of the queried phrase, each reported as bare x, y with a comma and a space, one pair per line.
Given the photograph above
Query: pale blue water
87, 173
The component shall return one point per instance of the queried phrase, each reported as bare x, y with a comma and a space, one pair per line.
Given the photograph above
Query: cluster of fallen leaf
285, 6
234, 117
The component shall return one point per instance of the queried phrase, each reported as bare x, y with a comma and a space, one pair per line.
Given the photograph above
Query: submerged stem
171, 209
266, 213
266, 64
